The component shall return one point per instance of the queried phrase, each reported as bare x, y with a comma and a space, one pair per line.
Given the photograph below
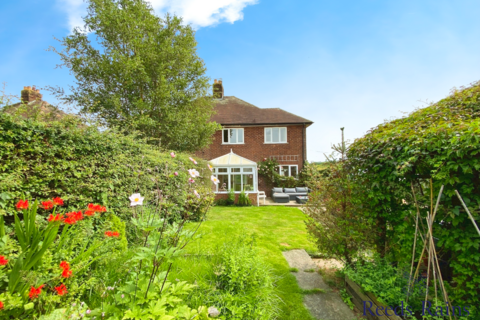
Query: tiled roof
35, 108
230, 110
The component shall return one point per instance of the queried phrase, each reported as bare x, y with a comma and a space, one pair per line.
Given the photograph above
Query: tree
141, 73
332, 210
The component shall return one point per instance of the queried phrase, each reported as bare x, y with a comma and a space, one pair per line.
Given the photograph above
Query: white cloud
198, 13
75, 10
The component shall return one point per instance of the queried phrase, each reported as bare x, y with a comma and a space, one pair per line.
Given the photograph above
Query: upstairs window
232, 136
276, 135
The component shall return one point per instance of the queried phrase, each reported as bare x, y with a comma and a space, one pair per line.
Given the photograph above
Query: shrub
439, 142
243, 199
333, 218
85, 165
231, 197
240, 285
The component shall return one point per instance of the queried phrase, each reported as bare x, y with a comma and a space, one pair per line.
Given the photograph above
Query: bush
333, 218
243, 199
239, 284
441, 143
231, 197
86, 165
390, 285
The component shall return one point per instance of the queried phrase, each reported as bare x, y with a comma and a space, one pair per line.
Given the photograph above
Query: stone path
324, 306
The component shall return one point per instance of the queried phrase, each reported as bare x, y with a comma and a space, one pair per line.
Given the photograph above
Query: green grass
271, 226
293, 269
311, 291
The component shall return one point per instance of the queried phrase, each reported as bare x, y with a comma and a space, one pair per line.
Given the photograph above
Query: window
237, 179
232, 136
276, 135
288, 170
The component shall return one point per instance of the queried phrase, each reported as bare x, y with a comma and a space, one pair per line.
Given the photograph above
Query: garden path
326, 305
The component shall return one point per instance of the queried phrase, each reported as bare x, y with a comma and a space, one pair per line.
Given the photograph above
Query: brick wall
256, 150
251, 196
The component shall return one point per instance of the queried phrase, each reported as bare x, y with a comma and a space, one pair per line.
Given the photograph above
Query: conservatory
235, 172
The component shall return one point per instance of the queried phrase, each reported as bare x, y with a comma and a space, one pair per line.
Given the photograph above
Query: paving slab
324, 306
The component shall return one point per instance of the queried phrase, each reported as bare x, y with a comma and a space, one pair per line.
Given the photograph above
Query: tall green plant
33, 241
142, 73
333, 211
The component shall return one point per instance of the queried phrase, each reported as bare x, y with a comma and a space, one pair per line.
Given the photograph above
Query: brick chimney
218, 89
30, 94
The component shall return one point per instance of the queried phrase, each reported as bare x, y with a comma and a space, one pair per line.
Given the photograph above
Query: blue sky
341, 63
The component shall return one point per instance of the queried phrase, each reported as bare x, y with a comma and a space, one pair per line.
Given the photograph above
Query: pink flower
196, 194
175, 173
190, 180
210, 167
193, 160
172, 154
214, 179
193, 173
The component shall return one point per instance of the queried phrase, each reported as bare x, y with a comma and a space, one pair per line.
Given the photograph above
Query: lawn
274, 228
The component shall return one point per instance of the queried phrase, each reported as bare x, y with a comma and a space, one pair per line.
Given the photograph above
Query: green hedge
83, 164
439, 142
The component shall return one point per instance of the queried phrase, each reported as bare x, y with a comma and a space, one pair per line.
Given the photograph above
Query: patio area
269, 202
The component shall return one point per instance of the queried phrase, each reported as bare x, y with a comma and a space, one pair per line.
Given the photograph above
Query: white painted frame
241, 173
271, 135
228, 129
289, 169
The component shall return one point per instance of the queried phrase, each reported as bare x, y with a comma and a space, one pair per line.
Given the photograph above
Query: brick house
250, 134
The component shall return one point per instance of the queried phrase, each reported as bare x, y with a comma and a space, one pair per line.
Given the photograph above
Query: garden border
358, 297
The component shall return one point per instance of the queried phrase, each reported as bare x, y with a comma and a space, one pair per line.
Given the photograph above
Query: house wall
255, 149
251, 196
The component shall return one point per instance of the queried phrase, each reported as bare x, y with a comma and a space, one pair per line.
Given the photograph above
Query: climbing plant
439, 142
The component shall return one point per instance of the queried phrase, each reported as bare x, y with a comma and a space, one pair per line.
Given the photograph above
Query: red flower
75, 215
57, 217
1, 305
61, 289
64, 265
3, 261
70, 220
34, 293
96, 207
89, 213
66, 273
58, 201
22, 205
47, 205
115, 234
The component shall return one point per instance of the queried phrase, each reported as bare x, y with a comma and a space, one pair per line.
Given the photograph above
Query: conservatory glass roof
232, 159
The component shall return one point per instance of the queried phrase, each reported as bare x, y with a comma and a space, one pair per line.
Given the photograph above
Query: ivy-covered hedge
82, 164
440, 142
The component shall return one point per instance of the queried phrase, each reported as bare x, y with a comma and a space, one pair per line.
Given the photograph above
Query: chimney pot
218, 89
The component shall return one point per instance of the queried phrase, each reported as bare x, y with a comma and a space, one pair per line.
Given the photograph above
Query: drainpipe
304, 137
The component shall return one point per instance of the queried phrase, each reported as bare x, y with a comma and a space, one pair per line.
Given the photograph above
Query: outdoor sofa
280, 194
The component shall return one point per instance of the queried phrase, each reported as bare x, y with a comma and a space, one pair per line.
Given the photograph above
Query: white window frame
241, 173
271, 135
238, 129
289, 169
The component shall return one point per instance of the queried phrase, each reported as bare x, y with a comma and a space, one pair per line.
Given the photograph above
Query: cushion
301, 190
290, 190
280, 195
279, 190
